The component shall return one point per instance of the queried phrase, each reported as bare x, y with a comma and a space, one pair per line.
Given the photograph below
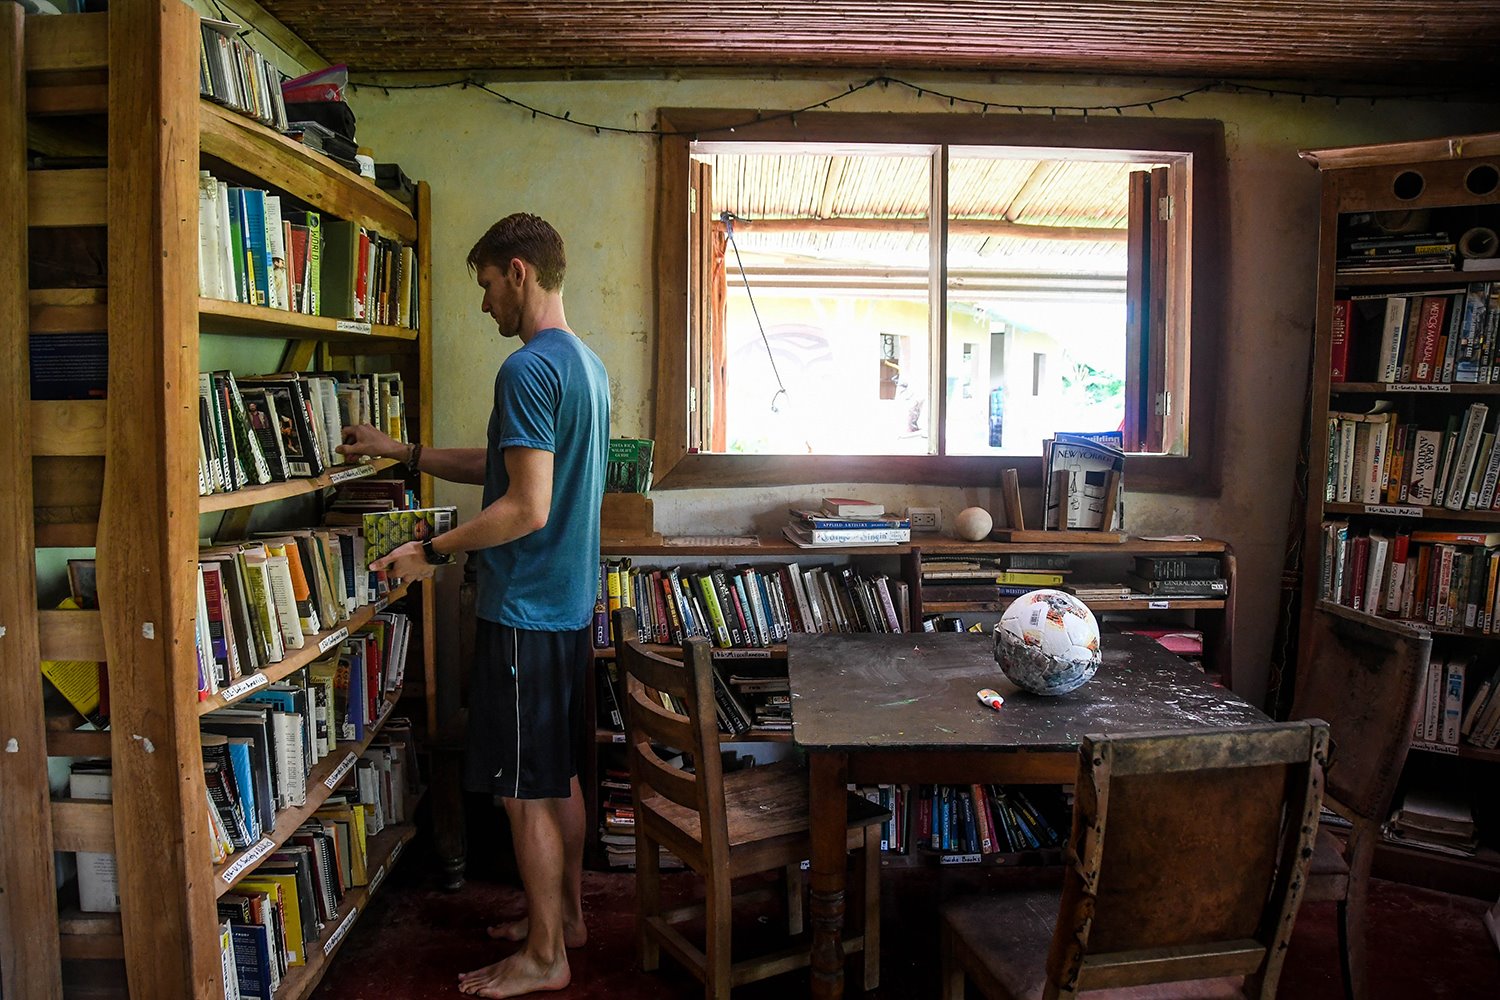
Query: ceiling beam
956, 227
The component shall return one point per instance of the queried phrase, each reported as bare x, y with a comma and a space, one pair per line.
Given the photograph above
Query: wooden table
901, 708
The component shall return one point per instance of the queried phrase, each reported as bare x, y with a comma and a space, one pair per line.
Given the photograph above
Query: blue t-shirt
552, 395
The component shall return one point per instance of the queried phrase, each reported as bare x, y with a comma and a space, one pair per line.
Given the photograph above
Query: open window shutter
1146, 312
706, 421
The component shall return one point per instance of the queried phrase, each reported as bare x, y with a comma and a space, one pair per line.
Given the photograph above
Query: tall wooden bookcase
1452, 186
118, 474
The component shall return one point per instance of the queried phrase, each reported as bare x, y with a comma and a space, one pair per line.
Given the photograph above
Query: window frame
678, 466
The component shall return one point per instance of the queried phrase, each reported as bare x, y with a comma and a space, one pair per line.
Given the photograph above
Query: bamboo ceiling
1401, 42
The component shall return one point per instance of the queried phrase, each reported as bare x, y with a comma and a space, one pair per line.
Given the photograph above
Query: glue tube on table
991, 699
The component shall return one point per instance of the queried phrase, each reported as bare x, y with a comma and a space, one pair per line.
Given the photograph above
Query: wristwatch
433, 556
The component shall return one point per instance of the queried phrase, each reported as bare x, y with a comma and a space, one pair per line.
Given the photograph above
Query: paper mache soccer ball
1047, 642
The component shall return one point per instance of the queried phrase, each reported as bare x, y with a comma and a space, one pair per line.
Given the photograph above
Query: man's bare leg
542, 963
575, 933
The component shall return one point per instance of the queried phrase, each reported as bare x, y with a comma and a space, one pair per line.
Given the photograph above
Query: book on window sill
851, 507
814, 520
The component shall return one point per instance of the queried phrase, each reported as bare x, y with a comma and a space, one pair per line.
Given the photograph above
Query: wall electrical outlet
925, 518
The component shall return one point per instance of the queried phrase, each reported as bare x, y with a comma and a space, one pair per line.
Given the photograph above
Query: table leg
828, 823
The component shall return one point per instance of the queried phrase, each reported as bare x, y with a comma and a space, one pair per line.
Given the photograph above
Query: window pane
1036, 299
826, 331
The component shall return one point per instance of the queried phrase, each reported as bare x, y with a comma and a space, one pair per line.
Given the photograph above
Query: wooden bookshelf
251, 496
610, 736
240, 319
1360, 184
117, 474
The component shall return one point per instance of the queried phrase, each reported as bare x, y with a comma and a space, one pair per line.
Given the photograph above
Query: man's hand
407, 563
363, 439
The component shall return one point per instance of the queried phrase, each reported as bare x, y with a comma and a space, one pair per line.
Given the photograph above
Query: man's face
502, 298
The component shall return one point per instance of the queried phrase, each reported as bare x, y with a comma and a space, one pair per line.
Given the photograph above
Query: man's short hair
528, 237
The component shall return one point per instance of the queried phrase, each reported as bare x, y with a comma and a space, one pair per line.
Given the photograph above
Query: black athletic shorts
526, 711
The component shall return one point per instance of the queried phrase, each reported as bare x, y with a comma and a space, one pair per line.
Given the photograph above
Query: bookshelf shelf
1133, 604
321, 781
272, 492
1476, 876
1411, 388
1406, 279
1423, 513
609, 736
240, 319
775, 651
926, 858
249, 147
1463, 751
315, 647
385, 849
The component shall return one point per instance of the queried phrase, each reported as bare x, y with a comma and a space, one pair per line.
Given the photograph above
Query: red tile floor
414, 939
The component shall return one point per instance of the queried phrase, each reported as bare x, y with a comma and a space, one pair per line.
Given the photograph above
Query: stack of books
1178, 576
1434, 822
982, 579
1407, 252
845, 522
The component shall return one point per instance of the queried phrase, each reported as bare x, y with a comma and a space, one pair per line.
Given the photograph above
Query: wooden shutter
706, 313
1148, 358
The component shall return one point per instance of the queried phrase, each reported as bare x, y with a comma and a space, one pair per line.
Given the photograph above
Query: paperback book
386, 531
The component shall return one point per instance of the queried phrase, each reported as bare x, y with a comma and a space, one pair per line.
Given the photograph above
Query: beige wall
485, 159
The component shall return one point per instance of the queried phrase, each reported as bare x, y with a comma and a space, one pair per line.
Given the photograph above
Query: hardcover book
386, 531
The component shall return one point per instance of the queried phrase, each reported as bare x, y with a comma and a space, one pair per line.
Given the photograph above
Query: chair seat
1009, 936
767, 802
1328, 872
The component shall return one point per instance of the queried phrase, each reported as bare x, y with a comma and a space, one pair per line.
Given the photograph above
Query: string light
918, 93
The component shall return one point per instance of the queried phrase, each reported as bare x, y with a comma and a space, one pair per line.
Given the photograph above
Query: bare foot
515, 976
575, 933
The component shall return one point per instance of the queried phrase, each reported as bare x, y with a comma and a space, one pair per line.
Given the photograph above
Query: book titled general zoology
387, 530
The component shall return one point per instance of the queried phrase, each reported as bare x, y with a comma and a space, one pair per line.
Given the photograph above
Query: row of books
268, 428
268, 920
1375, 458
1432, 337
746, 607
993, 579
1433, 820
744, 703
232, 73
1433, 251
971, 820
259, 598
1458, 706
1444, 579
256, 249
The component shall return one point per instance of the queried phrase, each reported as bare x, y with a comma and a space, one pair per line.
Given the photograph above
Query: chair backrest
1188, 855
1364, 676
670, 704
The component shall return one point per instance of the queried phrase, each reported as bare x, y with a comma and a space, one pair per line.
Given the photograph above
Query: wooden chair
1364, 676
1186, 862
723, 826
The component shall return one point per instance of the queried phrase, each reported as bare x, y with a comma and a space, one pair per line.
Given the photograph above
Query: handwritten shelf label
352, 326
380, 604
353, 472
241, 688
333, 639
338, 935
617, 738
251, 856
962, 859
396, 853
1158, 605
1419, 387
338, 773
1435, 747
1397, 510
379, 878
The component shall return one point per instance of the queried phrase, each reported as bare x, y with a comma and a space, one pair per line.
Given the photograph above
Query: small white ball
973, 524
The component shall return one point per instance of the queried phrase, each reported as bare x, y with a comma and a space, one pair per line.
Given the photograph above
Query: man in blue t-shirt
536, 542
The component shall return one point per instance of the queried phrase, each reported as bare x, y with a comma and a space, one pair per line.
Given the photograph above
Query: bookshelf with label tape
223, 790
1402, 521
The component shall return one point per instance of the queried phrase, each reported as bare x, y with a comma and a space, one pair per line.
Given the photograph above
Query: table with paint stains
902, 708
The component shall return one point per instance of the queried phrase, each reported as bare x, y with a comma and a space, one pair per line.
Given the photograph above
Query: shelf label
384, 714
241, 688
379, 878
338, 935
251, 857
1397, 510
352, 472
1158, 605
1435, 747
352, 326
1418, 387
333, 639
741, 654
617, 738
338, 773
380, 604
395, 853
961, 859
